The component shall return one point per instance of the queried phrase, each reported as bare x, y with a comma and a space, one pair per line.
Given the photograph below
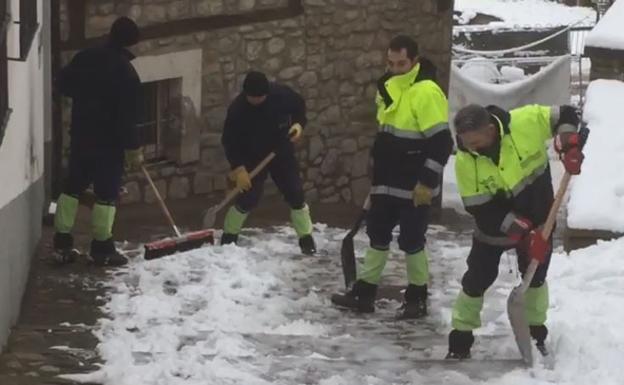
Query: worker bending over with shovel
504, 179
265, 118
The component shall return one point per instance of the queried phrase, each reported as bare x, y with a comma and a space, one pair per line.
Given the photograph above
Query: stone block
202, 183
179, 188
133, 193
359, 190
150, 196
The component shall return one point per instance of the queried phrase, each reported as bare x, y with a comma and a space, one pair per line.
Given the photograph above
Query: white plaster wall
21, 152
21, 169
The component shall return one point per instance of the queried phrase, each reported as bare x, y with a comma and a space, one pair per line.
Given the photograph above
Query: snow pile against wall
524, 13
609, 32
597, 195
550, 86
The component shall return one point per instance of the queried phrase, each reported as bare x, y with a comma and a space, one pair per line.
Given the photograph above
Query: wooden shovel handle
563, 187
234, 192
552, 214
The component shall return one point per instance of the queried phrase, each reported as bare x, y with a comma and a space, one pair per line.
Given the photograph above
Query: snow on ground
608, 32
524, 13
597, 195
260, 314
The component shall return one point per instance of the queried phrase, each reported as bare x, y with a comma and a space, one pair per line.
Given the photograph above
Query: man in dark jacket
265, 117
104, 88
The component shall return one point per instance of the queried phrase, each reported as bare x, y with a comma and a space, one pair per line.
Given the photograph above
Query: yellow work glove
422, 195
295, 132
133, 159
241, 177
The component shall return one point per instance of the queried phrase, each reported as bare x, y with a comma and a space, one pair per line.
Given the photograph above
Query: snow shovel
515, 302
210, 217
181, 242
347, 250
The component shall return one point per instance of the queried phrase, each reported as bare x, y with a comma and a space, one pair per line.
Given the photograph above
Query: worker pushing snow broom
104, 87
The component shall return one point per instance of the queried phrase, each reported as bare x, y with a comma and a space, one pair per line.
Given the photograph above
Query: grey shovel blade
519, 324
210, 217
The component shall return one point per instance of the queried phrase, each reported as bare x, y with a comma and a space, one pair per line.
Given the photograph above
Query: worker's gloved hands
422, 195
567, 144
572, 160
241, 177
536, 246
519, 228
133, 159
294, 133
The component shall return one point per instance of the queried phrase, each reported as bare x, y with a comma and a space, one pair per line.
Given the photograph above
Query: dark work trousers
386, 212
483, 262
284, 171
102, 167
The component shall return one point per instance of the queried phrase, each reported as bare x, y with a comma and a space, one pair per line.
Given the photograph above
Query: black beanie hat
256, 84
124, 32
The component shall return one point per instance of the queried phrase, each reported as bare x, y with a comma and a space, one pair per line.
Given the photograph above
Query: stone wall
332, 54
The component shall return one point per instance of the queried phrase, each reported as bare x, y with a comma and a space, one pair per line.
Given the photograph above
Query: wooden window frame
160, 121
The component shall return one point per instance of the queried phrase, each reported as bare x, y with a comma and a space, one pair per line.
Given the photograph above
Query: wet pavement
62, 304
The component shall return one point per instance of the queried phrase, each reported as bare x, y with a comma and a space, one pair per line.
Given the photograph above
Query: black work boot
539, 334
460, 343
361, 298
307, 245
227, 239
415, 305
104, 253
64, 252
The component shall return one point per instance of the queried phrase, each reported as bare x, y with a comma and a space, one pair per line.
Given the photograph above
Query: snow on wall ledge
597, 195
525, 13
608, 32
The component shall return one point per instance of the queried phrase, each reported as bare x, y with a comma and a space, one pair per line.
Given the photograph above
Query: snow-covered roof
524, 13
609, 32
597, 195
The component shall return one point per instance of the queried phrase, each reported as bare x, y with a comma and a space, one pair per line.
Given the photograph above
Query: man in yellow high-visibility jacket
409, 154
503, 176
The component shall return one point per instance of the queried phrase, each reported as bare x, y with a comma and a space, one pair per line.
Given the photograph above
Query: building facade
194, 54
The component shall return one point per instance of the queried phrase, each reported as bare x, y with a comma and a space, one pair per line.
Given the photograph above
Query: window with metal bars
4, 86
156, 117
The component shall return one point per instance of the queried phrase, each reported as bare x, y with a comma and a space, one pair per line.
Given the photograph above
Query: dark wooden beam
186, 26
578, 238
604, 53
77, 18
444, 5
